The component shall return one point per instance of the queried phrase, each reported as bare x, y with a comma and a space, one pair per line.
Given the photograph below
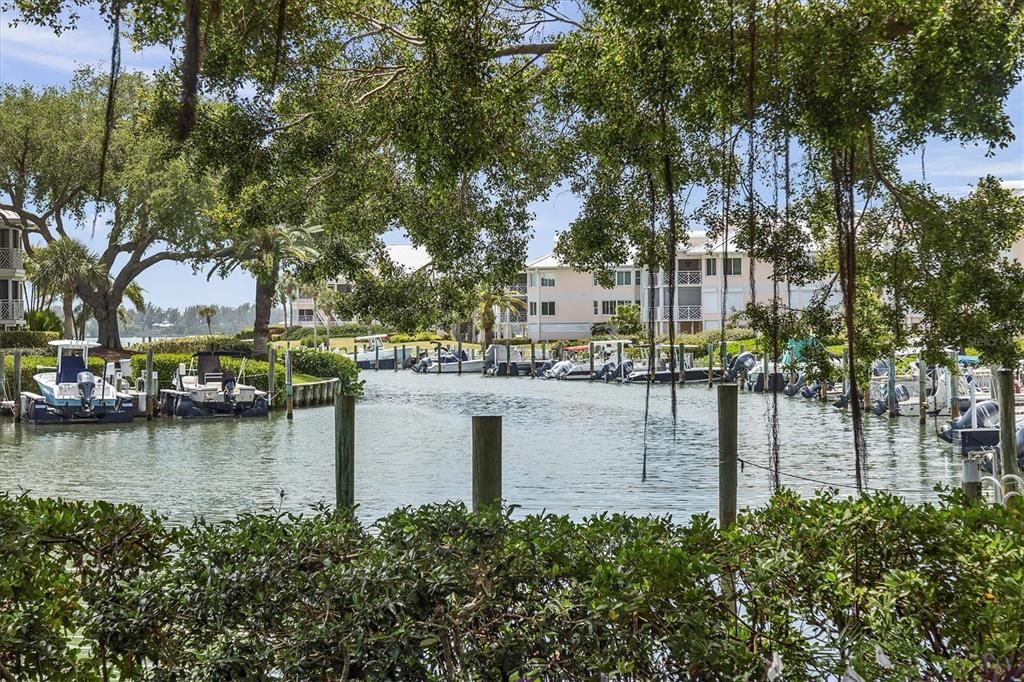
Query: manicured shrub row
194, 344
26, 339
889, 591
326, 366
346, 330
30, 365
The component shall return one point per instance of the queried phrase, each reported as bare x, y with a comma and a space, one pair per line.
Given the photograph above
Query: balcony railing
11, 310
517, 289
683, 277
513, 318
683, 313
11, 259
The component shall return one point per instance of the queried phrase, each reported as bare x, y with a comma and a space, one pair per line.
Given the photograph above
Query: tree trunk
68, 302
264, 304
104, 309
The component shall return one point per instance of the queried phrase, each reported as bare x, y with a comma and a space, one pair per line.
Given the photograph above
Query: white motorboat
375, 356
71, 393
446, 361
206, 389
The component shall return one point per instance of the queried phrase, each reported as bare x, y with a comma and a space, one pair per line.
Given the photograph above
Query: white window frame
547, 279
546, 305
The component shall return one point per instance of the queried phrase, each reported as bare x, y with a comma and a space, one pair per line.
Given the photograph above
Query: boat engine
228, 383
792, 388
745, 361
881, 406
86, 387
987, 417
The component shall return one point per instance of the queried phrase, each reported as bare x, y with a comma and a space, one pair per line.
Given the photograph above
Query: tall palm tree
58, 269
490, 302
287, 292
263, 250
206, 313
324, 300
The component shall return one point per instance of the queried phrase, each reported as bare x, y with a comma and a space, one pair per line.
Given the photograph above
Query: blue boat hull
35, 410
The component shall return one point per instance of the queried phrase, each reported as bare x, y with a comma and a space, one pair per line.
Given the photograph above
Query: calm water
569, 447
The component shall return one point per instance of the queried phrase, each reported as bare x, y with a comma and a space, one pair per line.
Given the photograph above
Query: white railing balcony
12, 259
683, 277
517, 289
11, 310
683, 313
513, 318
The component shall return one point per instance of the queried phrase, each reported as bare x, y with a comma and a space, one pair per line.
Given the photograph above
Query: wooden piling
922, 391
619, 359
953, 385
894, 407
533, 360
711, 361
591, 360
376, 358
508, 357
727, 453
459, 350
289, 388
971, 479
486, 462
150, 398
344, 448
1007, 430
17, 384
271, 375
438, 358
405, 354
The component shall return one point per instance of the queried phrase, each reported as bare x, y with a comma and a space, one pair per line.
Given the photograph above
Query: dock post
894, 407
711, 361
619, 367
344, 448
149, 384
971, 479
508, 357
438, 358
486, 462
1007, 431
271, 375
533, 360
405, 354
459, 350
953, 389
289, 389
355, 353
591, 360
17, 385
394, 356
922, 390
544, 350
376, 358
727, 453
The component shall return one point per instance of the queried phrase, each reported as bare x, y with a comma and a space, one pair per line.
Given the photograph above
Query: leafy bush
272, 331
166, 365
30, 365
44, 321
895, 592
27, 339
194, 344
328, 365
418, 336
346, 330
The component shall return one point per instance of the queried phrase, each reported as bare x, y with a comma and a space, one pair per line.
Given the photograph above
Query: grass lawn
299, 378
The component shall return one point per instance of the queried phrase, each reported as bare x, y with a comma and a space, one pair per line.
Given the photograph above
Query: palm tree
324, 300
490, 302
263, 250
207, 312
58, 269
626, 321
287, 290
135, 295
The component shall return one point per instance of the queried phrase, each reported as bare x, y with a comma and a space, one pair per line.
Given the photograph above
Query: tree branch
401, 35
525, 49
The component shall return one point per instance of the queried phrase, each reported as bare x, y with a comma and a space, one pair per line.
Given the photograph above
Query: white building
12, 272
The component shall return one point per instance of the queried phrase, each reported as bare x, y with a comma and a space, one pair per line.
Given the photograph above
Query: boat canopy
74, 344
371, 337
221, 354
577, 348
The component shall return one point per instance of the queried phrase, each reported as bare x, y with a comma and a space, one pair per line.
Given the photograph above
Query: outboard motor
797, 384
811, 390
559, 369
745, 361
86, 388
988, 417
228, 383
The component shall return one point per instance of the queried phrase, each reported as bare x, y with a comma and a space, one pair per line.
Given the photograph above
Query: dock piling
727, 453
508, 357
533, 360
376, 358
17, 385
619, 359
344, 448
439, 358
460, 357
894, 407
591, 361
271, 375
149, 384
289, 389
922, 391
954, 389
486, 462
971, 479
711, 361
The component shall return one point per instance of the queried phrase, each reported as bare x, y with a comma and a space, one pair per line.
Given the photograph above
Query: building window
710, 267
533, 308
547, 308
624, 278
734, 266
547, 280
595, 308
533, 279
636, 277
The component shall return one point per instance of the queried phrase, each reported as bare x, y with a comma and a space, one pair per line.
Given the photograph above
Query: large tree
150, 208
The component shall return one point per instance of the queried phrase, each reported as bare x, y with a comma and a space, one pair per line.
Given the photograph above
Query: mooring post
533, 360
894, 407
344, 448
508, 357
954, 388
1007, 431
271, 375
974, 401
376, 358
544, 350
971, 479
922, 390
417, 351
405, 354
591, 360
17, 384
727, 453
394, 357
619, 367
439, 358
289, 389
486, 462
711, 361
460, 356
149, 384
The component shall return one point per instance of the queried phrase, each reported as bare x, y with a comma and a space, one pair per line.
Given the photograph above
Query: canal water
569, 447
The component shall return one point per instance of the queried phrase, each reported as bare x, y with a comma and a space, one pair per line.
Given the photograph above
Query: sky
35, 55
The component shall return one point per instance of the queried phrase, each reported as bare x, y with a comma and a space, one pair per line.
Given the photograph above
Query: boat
662, 372
577, 366
502, 360
446, 361
206, 389
70, 393
375, 356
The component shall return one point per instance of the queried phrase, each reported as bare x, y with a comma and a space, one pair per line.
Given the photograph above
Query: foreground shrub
10, 340
895, 592
326, 365
194, 344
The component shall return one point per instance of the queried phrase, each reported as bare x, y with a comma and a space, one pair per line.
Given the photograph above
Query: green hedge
29, 364
826, 585
166, 364
327, 365
347, 330
26, 339
194, 344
